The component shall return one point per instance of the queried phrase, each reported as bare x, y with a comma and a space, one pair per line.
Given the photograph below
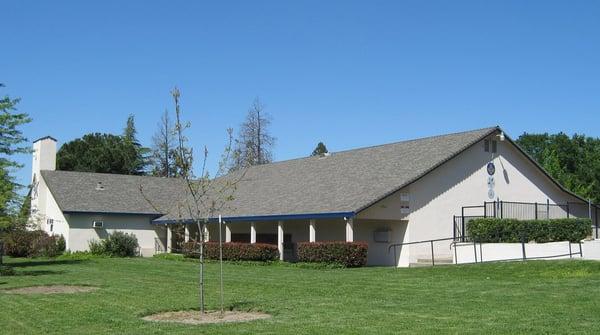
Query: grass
519, 297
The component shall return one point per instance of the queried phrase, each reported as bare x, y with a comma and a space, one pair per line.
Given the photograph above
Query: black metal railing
523, 211
430, 242
478, 251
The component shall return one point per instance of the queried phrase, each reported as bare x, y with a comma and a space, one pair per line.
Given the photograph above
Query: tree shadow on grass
44, 262
38, 273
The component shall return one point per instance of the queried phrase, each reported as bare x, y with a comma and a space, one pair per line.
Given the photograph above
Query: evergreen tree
140, 160
320, 150
12, 142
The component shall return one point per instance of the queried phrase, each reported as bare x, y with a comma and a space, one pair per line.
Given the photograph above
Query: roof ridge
377, 145
113, 174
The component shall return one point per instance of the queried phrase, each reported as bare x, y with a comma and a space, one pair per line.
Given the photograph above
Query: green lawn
531, 297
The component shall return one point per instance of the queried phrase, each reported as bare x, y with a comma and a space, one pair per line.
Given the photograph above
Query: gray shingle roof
344, 182
77, 192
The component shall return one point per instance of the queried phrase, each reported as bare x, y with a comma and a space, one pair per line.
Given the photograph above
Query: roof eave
276, 217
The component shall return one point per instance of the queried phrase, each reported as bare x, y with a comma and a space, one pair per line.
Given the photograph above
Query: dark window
486, 145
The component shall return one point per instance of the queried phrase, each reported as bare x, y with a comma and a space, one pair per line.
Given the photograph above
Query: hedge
541, 231
36, 243
233, 251
348, 254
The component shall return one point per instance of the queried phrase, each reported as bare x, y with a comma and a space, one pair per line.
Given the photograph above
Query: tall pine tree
12, 142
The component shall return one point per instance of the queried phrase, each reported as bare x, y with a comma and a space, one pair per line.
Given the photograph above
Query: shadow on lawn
38, 273
44, 262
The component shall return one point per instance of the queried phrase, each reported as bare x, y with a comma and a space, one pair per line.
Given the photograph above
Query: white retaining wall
465, 252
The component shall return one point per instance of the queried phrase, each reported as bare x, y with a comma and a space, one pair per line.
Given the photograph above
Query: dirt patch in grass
51, 289
197, 318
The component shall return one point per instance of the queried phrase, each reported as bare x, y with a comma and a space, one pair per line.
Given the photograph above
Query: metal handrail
454, 243
394, 245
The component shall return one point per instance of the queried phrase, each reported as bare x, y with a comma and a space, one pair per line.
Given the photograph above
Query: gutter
277, 217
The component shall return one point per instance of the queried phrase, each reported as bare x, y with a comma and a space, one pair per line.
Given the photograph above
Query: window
486, 146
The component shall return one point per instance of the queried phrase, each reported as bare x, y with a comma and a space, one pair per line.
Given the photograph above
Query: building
383, 195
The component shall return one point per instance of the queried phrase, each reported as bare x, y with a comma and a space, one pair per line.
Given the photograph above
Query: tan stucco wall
462, 181
44, 207
81, 231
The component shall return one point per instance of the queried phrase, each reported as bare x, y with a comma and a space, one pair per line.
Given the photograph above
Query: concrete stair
424, 262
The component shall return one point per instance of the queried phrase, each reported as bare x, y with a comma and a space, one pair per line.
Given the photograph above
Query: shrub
541, 231
96, 247
233, 251
61, 244
25, 243
46, 246
117, 244
348, 254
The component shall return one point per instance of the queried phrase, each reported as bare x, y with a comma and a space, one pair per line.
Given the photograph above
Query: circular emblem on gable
491, 194
491, 168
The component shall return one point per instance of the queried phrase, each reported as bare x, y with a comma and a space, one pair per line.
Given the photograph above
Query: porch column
169, 239
227, 233
206, 234
252, 232
280, 239
312, 232
186, 233
350, 230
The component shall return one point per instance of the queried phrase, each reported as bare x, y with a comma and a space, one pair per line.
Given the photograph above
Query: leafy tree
573, 161
320, 150
102, 153
254, 143
11, 143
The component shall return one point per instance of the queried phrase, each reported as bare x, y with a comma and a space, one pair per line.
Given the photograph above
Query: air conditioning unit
98, 224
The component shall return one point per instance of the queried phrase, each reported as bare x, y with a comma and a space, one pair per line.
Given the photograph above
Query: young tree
183, 155
11, 143
254, 144
163, 148
320, 150
207, 195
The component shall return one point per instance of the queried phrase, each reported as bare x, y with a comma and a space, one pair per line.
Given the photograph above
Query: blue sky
347, 73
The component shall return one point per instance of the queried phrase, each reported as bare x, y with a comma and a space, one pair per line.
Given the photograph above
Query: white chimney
44, 156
